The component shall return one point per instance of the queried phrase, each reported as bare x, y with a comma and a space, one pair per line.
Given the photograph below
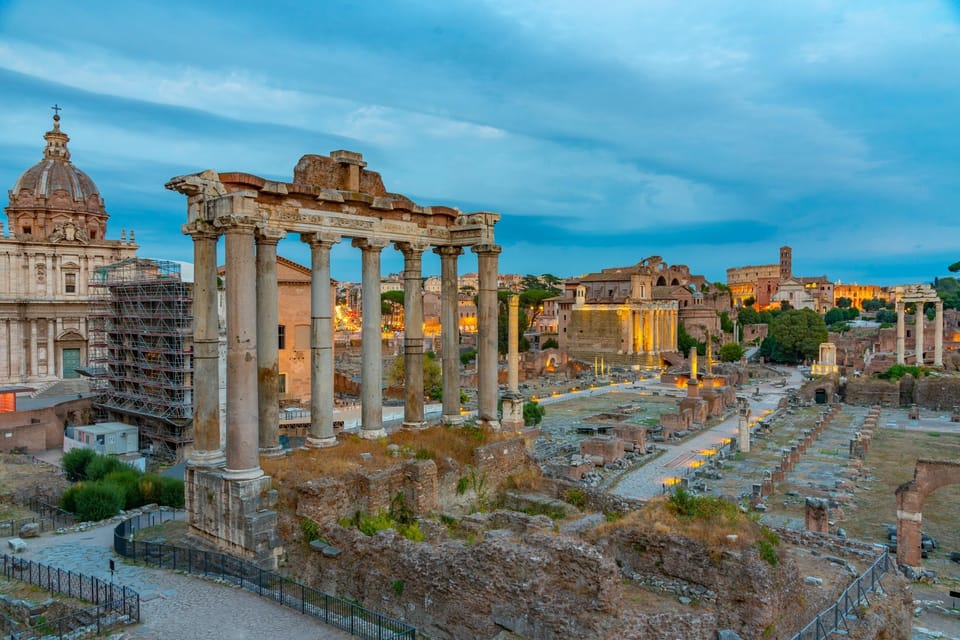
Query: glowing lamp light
695, 464
671, 481
708, 452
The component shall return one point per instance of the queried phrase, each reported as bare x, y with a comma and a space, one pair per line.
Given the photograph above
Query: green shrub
767, 546
98, 500
371, 525
576, 497
101, 466
151, 486
411, 531
75, 463
171, 493
425, 454
128, 480
533, 413
397, 587
686, 505
311, 530
68, 501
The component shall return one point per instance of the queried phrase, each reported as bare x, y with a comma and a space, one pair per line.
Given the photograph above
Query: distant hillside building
56, 241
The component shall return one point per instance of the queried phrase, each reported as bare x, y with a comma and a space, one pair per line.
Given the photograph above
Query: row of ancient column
918, 331
652, 330
252, 394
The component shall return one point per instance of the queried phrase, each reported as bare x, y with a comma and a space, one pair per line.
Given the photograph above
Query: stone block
30, 530
17, 545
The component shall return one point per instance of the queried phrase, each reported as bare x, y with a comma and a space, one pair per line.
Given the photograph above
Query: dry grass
448, 446
711, 529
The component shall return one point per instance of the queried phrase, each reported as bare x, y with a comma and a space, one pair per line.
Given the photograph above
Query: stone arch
928, 476
675, 282
661, 281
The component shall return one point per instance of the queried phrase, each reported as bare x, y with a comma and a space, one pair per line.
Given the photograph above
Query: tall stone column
450, 333
900, 332
487, 258
655, 313
918, 319
412, 333
938, 336
268, 357
207, 448
628, 322
371, 384
512, 400
243, 460
321, 341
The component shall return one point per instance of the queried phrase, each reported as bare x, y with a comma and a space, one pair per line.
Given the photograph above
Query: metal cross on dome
57, 108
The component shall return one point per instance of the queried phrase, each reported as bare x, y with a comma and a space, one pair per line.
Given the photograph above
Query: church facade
55, 241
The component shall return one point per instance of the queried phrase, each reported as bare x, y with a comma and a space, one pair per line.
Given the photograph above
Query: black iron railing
332, 610
113, 604
834, 618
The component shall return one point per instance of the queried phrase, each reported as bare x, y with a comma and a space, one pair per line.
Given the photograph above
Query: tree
685, 341
731, 352
391, 305
503, 324
550, 343
844, 302
726, 324
749, 301
432, 375
886, 316
833, 316
797, 335
955, 267
532, 301
873, 305
748, 315
785, 306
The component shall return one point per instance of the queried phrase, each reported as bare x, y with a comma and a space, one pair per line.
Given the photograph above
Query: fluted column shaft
938, 336
268, 357
243, 461
412, 333
450, 333
900, 332
207, 448
371, 384
321, 341
487, 258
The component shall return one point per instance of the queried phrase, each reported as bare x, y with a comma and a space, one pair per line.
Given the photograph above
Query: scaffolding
140, 352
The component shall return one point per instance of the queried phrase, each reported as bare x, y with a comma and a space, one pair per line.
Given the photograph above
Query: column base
243, 474
321, 443
414, 426
373, 434
489, 422
453, 420
271, 452
200, 458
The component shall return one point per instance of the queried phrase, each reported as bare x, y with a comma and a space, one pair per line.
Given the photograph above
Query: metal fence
114, 604
834, 618
332, 610
49, 517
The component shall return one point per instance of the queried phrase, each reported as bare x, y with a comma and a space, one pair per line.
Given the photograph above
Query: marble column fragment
450, 333
321, 341
371, 383
268, 358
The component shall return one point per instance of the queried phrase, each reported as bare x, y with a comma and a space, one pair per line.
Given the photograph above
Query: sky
708, 133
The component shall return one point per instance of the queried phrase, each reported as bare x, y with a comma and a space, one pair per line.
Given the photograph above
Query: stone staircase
72, 387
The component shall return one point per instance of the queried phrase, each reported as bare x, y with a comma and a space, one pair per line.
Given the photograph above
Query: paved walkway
175, 605
647, 481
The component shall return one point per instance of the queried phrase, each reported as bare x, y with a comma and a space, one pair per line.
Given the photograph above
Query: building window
281, 337
70, 282
282, 383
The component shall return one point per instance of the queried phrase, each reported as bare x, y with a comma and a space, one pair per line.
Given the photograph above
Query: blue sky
708, 133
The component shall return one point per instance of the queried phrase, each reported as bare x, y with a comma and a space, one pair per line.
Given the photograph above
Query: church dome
55, 182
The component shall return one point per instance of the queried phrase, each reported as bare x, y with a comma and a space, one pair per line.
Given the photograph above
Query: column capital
320, 238
236, 223
486, 248
448, 251
370, 244
269, 235
200, 230
411, 247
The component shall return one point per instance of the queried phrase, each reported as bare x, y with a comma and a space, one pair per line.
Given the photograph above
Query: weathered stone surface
30, 530
17, 544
